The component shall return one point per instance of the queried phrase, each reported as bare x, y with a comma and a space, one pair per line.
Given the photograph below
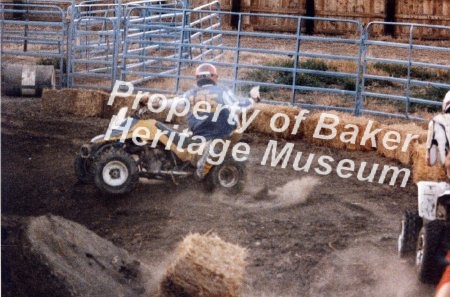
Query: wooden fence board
435, 12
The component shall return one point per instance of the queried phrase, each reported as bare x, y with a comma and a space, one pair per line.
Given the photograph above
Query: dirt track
333, 237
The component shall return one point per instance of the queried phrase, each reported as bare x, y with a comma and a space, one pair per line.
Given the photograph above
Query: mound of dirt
51, 256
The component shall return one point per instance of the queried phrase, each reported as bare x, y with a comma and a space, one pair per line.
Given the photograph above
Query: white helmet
206, 70
446, 102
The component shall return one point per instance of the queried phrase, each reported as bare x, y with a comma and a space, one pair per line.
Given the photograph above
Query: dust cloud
365, 271
292, 193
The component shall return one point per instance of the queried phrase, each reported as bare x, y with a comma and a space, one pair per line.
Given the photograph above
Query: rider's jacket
438, 140
206, 123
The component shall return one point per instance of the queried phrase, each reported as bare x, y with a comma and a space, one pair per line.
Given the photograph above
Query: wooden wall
434, 12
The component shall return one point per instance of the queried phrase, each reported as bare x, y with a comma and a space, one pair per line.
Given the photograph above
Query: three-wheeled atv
425, 232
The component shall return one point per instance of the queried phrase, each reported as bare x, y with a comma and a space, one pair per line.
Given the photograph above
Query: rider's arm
429, 141
180, 103
231, 99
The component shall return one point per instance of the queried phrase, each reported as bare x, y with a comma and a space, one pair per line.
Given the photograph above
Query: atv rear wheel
228, 176
429, 251
84, 170
407, 240
116, 172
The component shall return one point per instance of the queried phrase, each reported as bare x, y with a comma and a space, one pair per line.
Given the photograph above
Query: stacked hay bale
348, 121
261, 123
347, 127
421, 170
310, 126
93, 103
119, 102
86, 103
206, 266
406, 157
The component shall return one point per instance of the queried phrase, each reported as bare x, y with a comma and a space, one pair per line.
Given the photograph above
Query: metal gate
157, 44
152, 44
158, 39
94, 45
408, 69
35, 30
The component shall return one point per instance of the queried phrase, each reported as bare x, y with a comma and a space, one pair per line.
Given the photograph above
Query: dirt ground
320, 235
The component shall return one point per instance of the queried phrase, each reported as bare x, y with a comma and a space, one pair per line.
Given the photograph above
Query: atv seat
177, 138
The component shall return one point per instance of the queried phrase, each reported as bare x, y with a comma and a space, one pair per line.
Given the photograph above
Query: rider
438, 145
438, 139
208, 91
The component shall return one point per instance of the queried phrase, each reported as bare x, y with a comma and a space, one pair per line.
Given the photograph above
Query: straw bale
86, 103
58, 101
261, 123
421, 170
206, 266
344, 119
361, 123
381, 150
310, 125
119, 102
403, 129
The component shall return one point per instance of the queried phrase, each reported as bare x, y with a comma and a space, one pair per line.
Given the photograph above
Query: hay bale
206, 266
360, 123
421, 170
403, 129
310, 125
381, 150
85, 103
119, 102
58, 102
261, 123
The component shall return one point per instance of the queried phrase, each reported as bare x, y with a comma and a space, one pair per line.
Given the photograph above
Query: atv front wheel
228, 176
116, 172
407, 240
84, 170
429, 251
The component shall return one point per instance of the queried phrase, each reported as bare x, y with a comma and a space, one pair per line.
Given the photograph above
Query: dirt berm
51, 256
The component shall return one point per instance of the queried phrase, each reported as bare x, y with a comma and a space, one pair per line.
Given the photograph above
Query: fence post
408, 81
181, 51
238, 46
125, 44
63, 51
117, 42
70, 43
2, 18
295, 66
360, 80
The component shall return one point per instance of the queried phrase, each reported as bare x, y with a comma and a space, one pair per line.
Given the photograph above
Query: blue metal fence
95, 41
157, 44
36, 30
416, 65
